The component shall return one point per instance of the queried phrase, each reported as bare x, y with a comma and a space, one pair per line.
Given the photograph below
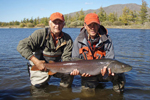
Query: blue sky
12, 10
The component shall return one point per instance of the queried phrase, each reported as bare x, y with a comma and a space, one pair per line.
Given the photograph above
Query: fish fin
51, 61
51, 73
34, 68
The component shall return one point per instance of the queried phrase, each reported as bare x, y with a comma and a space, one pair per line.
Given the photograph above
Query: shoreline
114, 27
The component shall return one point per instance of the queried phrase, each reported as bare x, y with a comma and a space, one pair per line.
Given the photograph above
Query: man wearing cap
93, 42
45, 45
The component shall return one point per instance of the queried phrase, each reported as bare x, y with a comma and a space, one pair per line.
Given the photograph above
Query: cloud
88, 3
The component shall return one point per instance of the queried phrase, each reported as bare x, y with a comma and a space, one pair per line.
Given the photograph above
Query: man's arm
27, 46
109, 48
75, 50
66, 56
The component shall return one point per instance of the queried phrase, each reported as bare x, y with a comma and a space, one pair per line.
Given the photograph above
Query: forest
130, 18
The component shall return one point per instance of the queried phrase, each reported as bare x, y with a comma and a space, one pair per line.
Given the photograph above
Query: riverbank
118, 27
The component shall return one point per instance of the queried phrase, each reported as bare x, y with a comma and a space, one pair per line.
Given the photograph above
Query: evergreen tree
82, 15
125, 16
112, 17
77, 16
35, 22
143, 12
133, 16
31, 20
38, 20
24, 20
102, 15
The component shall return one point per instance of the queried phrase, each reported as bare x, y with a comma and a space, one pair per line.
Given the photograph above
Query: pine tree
82, 15
112, 17
125, 16
143, 12
102, 15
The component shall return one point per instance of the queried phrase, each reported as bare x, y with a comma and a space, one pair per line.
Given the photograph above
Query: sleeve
75, 50
66, 56
27, 46
109, 49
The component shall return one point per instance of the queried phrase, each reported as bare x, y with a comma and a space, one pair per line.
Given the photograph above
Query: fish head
119, 67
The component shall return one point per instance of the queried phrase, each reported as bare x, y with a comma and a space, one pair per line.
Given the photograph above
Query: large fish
92, 67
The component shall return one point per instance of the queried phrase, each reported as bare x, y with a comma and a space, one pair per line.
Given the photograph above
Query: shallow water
131, 47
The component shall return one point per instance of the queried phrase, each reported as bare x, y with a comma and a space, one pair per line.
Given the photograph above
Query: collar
56, 38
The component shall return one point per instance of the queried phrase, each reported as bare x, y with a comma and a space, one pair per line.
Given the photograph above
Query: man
93, 42
44, 45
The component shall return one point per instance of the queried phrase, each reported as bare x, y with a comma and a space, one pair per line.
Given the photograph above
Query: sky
17, 10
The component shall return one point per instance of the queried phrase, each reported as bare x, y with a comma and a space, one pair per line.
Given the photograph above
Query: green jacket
41, 41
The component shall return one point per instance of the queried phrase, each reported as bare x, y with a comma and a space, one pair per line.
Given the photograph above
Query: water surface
131, 47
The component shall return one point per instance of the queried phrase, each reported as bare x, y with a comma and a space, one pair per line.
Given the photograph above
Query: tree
77, 16
44, 21
102, 15
35, 21
66, 18
82, 15
38, 20
112, 17
31, 20
125, 16
24, 20
143, 12
133, 16
16, 23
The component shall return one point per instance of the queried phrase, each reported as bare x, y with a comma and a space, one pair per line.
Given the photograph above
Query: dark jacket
82, 41
42, 42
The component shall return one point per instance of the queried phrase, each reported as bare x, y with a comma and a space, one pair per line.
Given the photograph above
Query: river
132, 46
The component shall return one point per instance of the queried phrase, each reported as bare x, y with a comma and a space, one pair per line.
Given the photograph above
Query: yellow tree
112, 17
125, 16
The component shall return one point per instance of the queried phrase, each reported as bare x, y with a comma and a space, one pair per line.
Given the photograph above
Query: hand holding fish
103, 72
76, 72
38, 63
84, 68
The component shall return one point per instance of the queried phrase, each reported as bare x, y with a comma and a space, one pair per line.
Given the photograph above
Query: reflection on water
131, 47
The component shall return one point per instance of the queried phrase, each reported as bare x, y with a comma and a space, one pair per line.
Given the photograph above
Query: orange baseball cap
57, 15
90, 18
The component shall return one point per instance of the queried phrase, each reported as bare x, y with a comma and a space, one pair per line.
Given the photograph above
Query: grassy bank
107, 26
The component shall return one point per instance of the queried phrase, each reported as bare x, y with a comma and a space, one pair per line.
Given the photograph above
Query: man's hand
38, 63
76, 72
85, 75
104, 71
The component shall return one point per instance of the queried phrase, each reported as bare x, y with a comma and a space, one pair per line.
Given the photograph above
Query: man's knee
39, 78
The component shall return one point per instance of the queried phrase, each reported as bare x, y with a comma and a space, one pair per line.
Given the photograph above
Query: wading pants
93, 81
39, 78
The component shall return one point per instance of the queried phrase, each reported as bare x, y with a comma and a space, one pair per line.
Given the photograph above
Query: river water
132, 46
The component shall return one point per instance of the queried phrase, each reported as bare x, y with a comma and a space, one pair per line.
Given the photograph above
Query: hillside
115, 8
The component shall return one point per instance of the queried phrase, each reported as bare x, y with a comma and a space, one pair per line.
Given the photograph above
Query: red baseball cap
57, 15
90, 18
